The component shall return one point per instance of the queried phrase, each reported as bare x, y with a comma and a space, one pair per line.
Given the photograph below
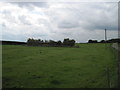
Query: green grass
58, 67
119, 45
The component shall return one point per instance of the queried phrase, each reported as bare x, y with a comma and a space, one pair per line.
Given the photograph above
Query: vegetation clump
38, 42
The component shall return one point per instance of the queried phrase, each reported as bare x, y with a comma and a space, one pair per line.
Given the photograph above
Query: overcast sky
58, 20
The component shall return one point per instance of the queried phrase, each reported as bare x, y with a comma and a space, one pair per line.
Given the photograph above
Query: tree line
38, 42
117, 40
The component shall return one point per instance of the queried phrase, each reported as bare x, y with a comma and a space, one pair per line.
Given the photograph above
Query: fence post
118, 69
108, 77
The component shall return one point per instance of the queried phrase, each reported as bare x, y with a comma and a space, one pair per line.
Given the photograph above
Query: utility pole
105, 34
107, 69
118, 51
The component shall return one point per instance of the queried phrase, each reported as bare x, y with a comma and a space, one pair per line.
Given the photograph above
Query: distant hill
12, 43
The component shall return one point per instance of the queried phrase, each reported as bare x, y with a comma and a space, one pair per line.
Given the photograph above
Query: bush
39, 42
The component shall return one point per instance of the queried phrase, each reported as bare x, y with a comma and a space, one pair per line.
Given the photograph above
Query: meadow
58, 67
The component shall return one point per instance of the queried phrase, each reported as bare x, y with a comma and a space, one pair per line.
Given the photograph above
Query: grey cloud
9, 17
6, 12
4, 25
42, 21
61, 23
92, 17
23, 19
68, 24
100, 22
30, 4
102, 26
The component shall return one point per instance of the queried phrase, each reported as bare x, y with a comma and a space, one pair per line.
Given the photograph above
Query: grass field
58, 67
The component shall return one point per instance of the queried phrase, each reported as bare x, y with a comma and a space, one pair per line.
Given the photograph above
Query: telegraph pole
108, 72
118, 43
105, 34
107, 69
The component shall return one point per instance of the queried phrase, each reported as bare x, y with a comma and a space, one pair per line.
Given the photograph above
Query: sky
80, 21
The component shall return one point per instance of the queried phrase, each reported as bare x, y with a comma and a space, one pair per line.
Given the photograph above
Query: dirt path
115, 46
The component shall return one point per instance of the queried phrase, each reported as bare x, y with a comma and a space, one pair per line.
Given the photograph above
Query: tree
92, 41
52, 43
59, 43
68, 42
72, 43
102, 41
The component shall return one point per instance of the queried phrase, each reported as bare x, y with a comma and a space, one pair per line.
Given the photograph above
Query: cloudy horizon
58, 20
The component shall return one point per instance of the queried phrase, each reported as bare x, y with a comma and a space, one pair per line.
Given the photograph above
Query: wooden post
119, 51
108, 77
